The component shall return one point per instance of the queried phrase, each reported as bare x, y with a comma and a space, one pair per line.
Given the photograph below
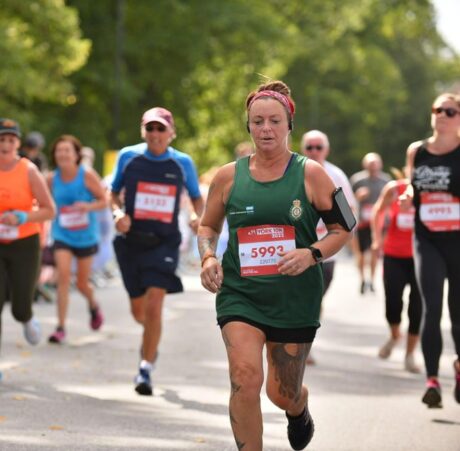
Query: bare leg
147, 310
244, 345
63, 260
83, 283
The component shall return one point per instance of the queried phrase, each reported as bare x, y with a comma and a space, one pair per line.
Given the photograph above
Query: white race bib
259, 248
72, 218
405, 219
440, 212
366, 212
155, 201
8, 233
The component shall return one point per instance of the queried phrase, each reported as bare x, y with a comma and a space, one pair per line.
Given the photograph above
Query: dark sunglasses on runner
158, 127
310, 147
450, 112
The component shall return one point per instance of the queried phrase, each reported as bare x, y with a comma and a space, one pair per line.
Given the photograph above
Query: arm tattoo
207, 243
289, 369
239, 445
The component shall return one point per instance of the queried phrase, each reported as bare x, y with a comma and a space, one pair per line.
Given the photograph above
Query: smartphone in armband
340, 213
343, 212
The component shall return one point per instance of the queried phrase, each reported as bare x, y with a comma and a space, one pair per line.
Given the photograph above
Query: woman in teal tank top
78, 193
269, 286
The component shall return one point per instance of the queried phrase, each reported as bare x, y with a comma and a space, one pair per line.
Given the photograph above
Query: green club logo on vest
296, 210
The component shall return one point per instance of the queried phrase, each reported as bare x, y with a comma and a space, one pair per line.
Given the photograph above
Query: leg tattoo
289, 369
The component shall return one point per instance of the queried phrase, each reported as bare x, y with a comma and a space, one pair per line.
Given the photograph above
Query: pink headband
284, 100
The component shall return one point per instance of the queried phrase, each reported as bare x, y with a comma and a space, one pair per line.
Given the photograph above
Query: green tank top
275, 300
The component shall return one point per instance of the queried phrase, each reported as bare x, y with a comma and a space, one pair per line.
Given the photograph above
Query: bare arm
198, 207
94, 184
46, 207
319, 187
211, 226
383, 202
121, 219
405, 199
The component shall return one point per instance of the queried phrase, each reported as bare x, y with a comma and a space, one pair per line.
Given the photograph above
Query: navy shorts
79, 252
145, 266
275, 334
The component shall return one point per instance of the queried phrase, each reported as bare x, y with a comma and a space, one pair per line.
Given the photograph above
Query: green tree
41, 45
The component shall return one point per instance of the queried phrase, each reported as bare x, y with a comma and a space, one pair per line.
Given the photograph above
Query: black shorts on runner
364, 238
78, 252
143, 266
275, 334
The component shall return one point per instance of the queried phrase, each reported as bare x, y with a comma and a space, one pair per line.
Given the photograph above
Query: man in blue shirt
147, 184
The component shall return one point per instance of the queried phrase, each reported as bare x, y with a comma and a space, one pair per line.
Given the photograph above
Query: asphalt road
79, 396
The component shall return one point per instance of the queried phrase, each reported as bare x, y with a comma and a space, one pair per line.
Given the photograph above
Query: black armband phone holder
340, 213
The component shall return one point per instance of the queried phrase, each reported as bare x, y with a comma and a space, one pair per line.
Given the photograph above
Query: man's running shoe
432, 397
457, 380
300, 429
32, 331
96, 319
143, 383
386, 350
58, 336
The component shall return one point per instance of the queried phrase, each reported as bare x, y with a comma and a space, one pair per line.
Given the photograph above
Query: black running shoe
432, 397
143, 383
457, 381
300, 430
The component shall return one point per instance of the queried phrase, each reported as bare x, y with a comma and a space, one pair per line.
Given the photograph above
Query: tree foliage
363, 71
41, 45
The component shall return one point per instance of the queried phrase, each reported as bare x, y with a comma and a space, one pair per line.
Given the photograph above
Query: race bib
73, 219
366, 212
155, 201
440, 212
405, 219
8, 233
259, 246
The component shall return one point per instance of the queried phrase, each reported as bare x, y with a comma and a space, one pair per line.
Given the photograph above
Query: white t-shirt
340, 179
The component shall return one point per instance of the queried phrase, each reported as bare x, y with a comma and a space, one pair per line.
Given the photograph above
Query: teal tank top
76, 229
272, 299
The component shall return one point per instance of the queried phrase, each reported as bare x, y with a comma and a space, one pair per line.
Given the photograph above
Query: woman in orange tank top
25, 201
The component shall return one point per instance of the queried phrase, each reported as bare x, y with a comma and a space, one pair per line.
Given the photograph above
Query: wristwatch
316, 254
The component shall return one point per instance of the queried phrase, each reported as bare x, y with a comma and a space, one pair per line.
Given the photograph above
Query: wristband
117, 214
21, 216
206, 257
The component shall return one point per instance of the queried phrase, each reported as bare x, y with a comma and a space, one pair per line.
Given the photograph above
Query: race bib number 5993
259, 248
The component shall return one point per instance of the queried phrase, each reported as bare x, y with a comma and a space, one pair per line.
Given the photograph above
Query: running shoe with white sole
386, 350
143, 382
410, 365
32, 331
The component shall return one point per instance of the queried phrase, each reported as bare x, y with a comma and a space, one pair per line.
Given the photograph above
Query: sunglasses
319, 147
152, 127
450, 112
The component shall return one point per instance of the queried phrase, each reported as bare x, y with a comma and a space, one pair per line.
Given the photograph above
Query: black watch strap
316, 253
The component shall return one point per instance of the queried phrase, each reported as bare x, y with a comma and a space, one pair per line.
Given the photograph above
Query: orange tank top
16, 194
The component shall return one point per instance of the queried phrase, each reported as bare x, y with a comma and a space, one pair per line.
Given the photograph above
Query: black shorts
275, 334
144, 266
79, 252
364, 238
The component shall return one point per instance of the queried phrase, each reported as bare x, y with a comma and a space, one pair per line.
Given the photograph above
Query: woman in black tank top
434, 165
